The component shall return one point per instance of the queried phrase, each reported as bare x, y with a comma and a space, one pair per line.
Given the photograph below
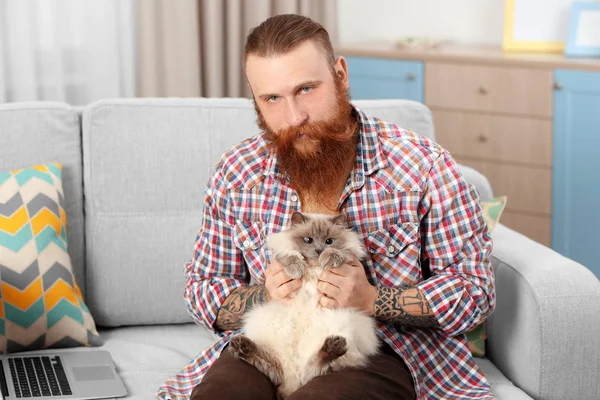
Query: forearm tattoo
404, 306
237, 303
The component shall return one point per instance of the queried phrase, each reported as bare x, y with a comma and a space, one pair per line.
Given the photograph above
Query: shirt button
294, 198
246, 243
391, 249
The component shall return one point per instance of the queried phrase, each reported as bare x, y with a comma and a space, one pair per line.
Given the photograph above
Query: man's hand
278, 284
347, 287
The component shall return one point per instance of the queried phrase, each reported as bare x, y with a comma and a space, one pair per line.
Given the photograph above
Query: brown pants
386, 377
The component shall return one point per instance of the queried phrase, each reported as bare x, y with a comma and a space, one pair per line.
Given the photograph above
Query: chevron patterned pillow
40, 303
491, 210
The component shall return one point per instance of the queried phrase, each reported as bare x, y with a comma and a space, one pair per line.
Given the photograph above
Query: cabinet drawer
512, 90
374, 78
493, 137
528, 189
538, 228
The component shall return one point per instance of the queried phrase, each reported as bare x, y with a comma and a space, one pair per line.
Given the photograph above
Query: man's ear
298, 218
341, 70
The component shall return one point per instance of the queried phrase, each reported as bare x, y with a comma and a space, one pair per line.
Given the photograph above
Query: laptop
56, 374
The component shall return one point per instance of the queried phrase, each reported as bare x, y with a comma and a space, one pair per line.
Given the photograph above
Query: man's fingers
273, 268
328, 302
329, 289
289, 287
280, 278
355, 262
332, 278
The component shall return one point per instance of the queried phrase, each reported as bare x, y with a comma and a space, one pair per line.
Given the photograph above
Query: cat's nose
319, 251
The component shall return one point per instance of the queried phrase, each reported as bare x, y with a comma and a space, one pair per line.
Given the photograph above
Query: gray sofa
134, 175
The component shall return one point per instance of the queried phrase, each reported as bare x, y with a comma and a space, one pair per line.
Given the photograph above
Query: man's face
296, 88
305, 113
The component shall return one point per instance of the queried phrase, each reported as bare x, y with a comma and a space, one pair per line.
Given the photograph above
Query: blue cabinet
376, 78
576, 167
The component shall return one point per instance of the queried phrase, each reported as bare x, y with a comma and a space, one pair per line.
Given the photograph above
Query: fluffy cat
294, 342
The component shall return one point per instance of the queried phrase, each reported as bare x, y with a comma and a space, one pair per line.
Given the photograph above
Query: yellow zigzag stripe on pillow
23, 299
60, 290
78, 292
43, 219
13, 224
63, 218
41, 167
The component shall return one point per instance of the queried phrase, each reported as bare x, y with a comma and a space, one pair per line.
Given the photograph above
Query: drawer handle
557, 85
411, 77
482, 138
483, 90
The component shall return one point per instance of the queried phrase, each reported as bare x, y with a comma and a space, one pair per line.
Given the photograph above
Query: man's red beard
315, 156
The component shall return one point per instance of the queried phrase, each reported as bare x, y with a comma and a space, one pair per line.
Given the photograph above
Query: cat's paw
242, 347
294, 266
331, 258
333, 348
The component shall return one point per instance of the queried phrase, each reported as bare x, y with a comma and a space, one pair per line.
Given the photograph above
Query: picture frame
536, 25
584, 30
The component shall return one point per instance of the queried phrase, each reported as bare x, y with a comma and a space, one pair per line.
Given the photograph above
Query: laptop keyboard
39, 376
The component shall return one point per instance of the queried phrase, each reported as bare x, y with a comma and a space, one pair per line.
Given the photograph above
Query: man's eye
308, 240
329, 241
273, 99
306, 89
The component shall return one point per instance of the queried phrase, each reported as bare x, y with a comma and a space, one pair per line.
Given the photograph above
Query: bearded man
400, 191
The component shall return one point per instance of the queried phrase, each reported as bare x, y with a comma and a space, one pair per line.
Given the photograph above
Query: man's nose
296, 116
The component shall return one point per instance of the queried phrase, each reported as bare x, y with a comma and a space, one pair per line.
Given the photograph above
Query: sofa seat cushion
146, 356
502, 388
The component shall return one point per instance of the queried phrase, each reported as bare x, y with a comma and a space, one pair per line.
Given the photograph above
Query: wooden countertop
466, 53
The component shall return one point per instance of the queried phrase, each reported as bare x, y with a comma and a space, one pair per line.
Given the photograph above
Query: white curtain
73, 51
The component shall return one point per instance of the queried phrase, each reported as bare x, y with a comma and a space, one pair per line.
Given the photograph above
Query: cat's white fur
295, 332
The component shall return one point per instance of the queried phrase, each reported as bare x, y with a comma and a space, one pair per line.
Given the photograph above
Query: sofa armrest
477, 179
544, 334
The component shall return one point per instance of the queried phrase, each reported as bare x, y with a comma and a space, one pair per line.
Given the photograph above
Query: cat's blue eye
308, 240
329, 241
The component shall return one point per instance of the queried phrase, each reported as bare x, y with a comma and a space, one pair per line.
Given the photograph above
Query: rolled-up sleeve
457, 242
217, 267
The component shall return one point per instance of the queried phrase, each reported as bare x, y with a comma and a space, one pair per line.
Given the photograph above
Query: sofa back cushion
146, 165
44, 132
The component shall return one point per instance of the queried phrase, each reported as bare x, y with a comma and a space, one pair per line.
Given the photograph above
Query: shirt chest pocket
249, 238
394, 251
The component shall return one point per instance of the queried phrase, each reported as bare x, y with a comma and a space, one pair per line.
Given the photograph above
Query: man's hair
280, 34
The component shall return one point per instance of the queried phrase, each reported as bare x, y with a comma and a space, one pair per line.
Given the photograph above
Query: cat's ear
339, 219
298, 218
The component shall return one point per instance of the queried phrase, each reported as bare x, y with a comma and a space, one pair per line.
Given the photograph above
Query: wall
464, 21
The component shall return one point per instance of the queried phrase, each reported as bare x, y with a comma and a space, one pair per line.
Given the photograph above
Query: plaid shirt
405, 197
